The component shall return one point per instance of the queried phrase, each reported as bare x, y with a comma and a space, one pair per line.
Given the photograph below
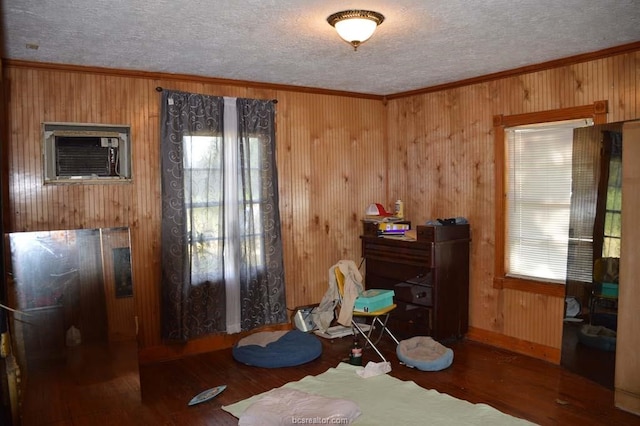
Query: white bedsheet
385, 400
283, 407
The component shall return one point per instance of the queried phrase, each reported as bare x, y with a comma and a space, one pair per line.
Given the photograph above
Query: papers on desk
408, 235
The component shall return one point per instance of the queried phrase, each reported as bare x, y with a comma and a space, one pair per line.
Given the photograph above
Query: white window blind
539, 199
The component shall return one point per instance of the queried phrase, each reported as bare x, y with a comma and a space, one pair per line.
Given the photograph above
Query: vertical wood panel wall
336, 154
329, 163
441, 156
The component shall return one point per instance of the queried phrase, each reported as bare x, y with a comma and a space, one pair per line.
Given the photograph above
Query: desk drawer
404, 252
415, 294
411, 320
393, 271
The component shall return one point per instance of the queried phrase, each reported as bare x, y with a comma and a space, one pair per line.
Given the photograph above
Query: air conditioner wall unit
86, 153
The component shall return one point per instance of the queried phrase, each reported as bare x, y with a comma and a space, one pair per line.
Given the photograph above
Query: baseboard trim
514, 344
627, 401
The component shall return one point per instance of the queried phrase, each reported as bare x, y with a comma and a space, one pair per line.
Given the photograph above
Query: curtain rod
160, 89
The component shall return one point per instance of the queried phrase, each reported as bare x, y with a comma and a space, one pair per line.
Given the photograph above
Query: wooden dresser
430, 278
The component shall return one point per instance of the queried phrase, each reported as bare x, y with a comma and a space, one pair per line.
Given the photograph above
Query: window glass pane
611, 247
615, 172
614, 198
204, 222
253, 190
613, 216
613, 224
614, 189
205, 261
252, 246
254, 153
253, 213
202, 186
203, 191
202, 152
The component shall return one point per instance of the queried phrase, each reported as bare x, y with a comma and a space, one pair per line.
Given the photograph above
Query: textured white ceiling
421, 43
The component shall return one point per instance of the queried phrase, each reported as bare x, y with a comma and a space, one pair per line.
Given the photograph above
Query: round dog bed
275, 349
424, 353
597, 336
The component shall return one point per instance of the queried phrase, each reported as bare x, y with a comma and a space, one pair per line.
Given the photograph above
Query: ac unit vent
87, 153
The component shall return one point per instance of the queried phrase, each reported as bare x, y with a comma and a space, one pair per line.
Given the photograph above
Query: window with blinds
539, 176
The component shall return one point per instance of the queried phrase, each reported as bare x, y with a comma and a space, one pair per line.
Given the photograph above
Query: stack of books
393, 228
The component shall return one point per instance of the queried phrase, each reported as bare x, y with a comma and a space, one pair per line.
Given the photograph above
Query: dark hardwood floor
91, 388
595, 364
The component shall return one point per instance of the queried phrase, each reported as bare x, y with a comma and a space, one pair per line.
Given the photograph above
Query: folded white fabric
282, 406
374, 369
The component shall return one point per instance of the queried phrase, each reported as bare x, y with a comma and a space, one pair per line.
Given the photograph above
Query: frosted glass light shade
356, 29
355, 26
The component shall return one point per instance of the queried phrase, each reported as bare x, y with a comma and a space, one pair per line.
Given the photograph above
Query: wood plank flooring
596, 364
96, 389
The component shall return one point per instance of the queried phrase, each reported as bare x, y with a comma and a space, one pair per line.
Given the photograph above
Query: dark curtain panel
188, 311
222, 267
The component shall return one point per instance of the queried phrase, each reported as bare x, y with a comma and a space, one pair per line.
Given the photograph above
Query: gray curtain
217, 241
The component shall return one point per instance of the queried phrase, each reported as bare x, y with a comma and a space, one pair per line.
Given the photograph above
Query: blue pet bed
597, 336
289, 349
424, 353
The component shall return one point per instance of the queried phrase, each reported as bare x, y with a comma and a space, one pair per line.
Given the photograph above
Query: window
539, 170
513, 258
204, 179
222, 258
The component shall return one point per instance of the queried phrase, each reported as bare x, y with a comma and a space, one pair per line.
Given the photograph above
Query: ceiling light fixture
355, 26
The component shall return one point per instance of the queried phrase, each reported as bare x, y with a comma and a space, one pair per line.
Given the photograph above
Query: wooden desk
430, 278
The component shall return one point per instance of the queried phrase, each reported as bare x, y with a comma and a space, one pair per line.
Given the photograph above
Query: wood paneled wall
331, 165
336, 154
441, 152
